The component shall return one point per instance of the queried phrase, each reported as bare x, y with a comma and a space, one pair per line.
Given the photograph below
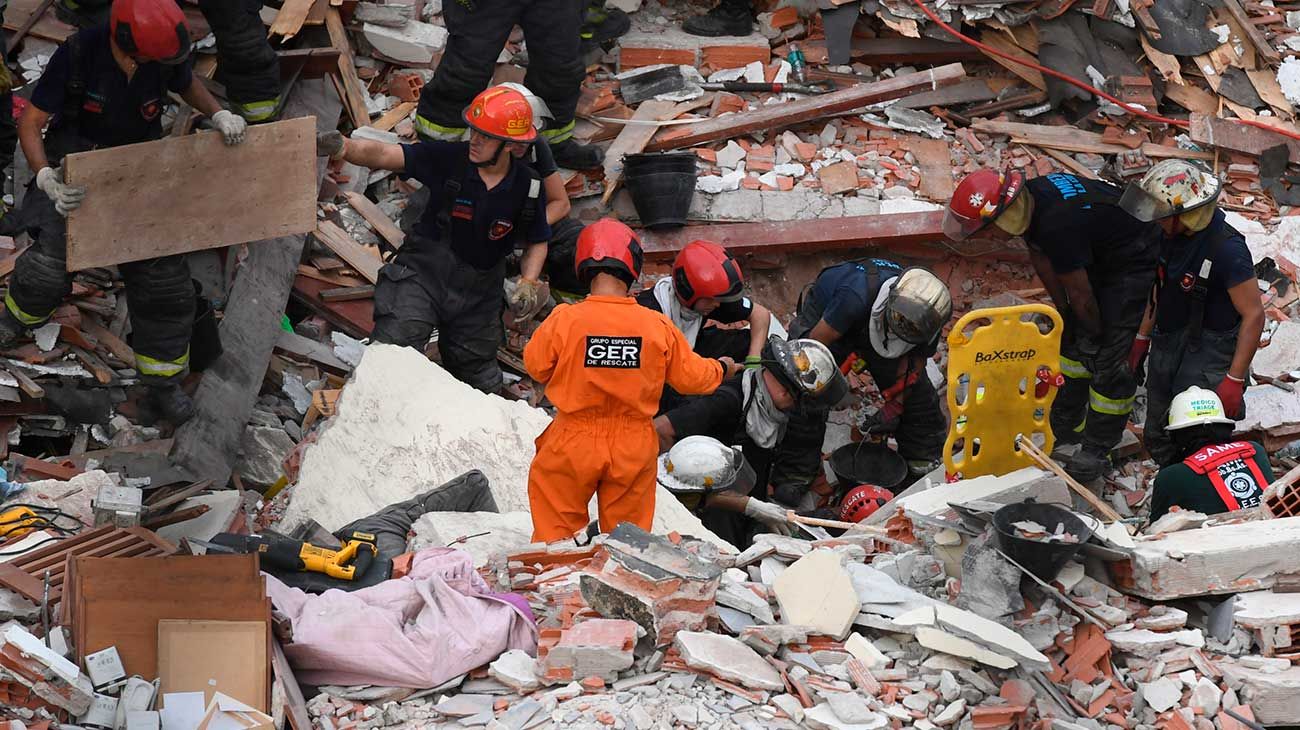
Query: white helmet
1169, 188
541, 112
700, 465
1196, 407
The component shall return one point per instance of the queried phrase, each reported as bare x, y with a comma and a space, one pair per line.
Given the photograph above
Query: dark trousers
463, 303
159, 291
1094, 404
1173, 366
468, 492
555, 71
250, 68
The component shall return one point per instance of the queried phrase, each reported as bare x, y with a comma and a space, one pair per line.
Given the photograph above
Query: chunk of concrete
595, 647
1162, 694
1282, 354
728, 659
1148, 644
1274, 697
414, 43
850, 707
939, 640
790, 705
393, 15
817, 592
262, 452
516, 670
998, 638
1215, 560
952, 713
866, 652
1261, 609
15, 607
822, 717
1205, 698
1005, 489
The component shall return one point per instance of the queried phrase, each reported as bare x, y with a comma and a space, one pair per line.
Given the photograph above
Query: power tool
347, 563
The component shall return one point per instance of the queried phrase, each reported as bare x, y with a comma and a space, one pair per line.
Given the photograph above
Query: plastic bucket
662, 199
1043, 558
868, 463
651, 162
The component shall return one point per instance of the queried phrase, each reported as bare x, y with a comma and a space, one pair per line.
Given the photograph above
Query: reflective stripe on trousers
162, 368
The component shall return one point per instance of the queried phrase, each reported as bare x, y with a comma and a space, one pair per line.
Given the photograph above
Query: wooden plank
382, 224
304, 349
1228, 135
337, 240
1266, 85
108, 340
354, 95
102, 372
1253, 33
631, 140
933, 158
1167, 63
308, 63
355, 318
228, 650
316, 16
1070, 163
330, 277
1192, 98
295, 703
804, 236
1000, 42
158, 198
293, 13
966, 92
889, 51
28, 385
1076, 140
348, 293
779, 116
394, 116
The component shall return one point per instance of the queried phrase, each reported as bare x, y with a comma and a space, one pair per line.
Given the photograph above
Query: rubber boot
10, 329
171, 403
728, 18
1087, 465
602, 25
571, 155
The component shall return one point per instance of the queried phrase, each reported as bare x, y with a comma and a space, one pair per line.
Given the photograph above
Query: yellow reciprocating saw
347, 563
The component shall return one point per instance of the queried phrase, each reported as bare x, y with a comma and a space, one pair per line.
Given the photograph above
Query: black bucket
868, 463
662, 197
1041, 557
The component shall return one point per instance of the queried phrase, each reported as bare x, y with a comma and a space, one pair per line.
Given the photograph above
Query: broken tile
727, 658
938, 640
817, 592
1161, 694
864, 651
840, 177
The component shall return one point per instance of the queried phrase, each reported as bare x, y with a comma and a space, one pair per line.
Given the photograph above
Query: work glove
1232, 392
231, 125
330, 144
753, 362
67, 198
1137, 357
769, 514
526, 298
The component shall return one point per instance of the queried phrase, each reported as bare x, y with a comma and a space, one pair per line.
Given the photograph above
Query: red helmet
608, 246
979, 199
502, 113
705, 269
863, 500
153, 30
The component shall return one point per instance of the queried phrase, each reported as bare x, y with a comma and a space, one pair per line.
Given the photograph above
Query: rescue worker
450, 272
752, 410
890, 318
105, 87
1207, 314
1215, 473
1097, 263
604, 362
717, 483
249, 68
478, 31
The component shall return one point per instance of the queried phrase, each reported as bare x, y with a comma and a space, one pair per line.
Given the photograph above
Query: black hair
1193, 438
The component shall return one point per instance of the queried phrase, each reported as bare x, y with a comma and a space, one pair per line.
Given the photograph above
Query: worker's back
609, 356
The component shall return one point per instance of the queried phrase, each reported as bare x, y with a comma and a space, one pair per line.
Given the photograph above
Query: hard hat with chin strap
1196, 407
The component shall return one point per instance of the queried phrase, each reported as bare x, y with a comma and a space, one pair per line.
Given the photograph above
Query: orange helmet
153, 30
501, 113
609, 246
705, 269
862, 501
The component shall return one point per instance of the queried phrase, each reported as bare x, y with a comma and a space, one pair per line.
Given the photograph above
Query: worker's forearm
666, 433
1087, 314
531, 263
760, 322
1252, 326
29, 136
729, 501
1055, 290
1148, 321
198, 96
374, 155
557, 198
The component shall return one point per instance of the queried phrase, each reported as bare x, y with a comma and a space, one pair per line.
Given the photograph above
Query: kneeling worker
1216, 474
605, 361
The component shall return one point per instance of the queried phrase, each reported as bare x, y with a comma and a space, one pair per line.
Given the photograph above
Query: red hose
1080, 84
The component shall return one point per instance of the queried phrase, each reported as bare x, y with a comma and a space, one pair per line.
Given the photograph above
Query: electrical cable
1180, 123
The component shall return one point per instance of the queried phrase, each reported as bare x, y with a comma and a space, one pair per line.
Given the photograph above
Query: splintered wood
184, 194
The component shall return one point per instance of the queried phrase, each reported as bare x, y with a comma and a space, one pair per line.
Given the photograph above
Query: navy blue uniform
1078, 224
1179, 359
449, 273
111, 111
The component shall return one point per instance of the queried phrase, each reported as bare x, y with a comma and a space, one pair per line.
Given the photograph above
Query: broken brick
840, 177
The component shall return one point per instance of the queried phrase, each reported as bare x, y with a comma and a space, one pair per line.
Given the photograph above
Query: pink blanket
419, 631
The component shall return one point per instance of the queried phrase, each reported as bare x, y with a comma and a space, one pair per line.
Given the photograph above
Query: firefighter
604, 362
450, 272
752, 410
105, 87
249, 68
1215, 473
1207, 316
716, 482
478, 31
890, 318
1097, 263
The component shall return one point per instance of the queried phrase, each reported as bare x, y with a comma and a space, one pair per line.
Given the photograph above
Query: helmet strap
501, 148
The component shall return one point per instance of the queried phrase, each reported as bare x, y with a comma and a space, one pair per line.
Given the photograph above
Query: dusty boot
571, 155
10, 329
728, 18
602, 25
1087, 465
1064, 450
170, 403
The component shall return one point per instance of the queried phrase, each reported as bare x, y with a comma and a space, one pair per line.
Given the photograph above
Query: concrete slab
866, 652
1006, 489
1273, 696
1162, 694
1282, 355
1261, 609
817, 592
727, 658
222, 508
1214, 560
939, 640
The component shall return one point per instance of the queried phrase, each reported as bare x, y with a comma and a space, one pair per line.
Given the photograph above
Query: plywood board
184, 194
214, 656
1000, 42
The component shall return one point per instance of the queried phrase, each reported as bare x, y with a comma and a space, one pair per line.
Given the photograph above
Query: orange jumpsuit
604, 361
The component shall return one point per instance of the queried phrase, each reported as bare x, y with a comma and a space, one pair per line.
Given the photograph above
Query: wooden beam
803, 236
889, 51
780, 116
1070, 163
394, 116
340, 242
1000, 42
353, 95
293, 13
1253, 33
382, 224
158, 198
1074, 139
1229, 135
